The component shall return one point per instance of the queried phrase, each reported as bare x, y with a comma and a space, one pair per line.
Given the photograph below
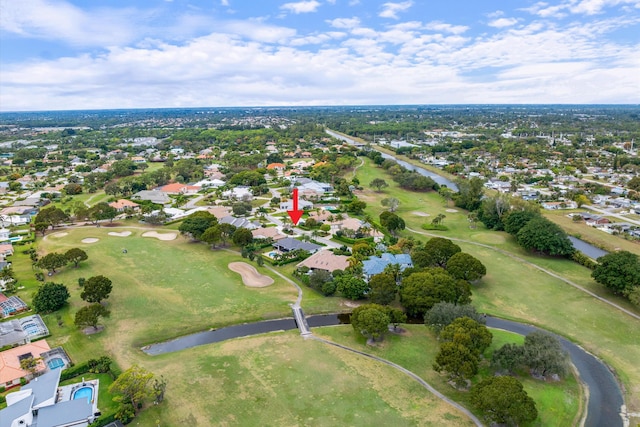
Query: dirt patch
452, 210
58, 235
250, 275
91, 330
119, 234
160, 236
351, 304
418, 213
90, 240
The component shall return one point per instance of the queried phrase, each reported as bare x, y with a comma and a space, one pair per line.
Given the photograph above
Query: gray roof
239, 222
290, 244
11, 332
44, 387
18, 409
154, 196
64, 413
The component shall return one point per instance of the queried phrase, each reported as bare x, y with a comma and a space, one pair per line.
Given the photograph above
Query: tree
421, 291
132, 386
378, 184
226, 232
197, 223
503, 400
470, 193
467, 331
96, 289
396, 316
508, 358
618, 271
41, 227
464, 266
90, 315
50, 297
212, 235
52, 216
102, 211
457, 360
515, 220
542, 235
444, 313
437, 220
52, 261
159, 387
383, 289
242, 237
370, 320
351, 287
543, 354
30, 364
391, 221
391, 203
435, 253
318, 278
75, 255
356, 206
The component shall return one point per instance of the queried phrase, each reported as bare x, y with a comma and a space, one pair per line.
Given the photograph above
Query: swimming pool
56, 362
83, 393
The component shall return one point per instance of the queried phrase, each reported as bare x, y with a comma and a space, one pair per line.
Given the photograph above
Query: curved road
605, 397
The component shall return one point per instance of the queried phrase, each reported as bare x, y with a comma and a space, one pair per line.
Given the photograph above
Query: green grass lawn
558, 403
282, 380
517, 291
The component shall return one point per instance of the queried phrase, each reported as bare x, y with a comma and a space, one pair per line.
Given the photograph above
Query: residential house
44, 403
6, 249
177, 188
11, 305
325, 260
569, 204
4, 234
10, 370
276, 166
302, 205
12, 334
239, 222
267, 233
123, 205
289, 244
154, 196
238, 193
219, 211
376, 265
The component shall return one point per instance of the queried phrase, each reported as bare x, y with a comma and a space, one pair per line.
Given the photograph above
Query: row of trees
55, 260
204, 227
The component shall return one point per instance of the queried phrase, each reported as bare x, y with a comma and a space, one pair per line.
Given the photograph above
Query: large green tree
90, 315
53, 216
467, 331
133, 385
370, 320
464, 266
618, 271
434, 253
444, 313
351, 287
96, 289
197, 223
378, 184
457, 360
50, 297
52, 261
503, 400
242, 237
420, 291
544, 356
75, 255
542, 235
383, 289
102, 211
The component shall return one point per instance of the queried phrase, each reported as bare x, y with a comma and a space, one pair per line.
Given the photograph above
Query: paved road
605, 212
605, 397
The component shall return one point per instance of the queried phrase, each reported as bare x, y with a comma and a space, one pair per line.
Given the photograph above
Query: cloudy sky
81, 54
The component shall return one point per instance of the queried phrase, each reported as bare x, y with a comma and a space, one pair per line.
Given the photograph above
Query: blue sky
81, 54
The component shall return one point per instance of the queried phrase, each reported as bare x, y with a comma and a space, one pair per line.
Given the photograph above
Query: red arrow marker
295, 214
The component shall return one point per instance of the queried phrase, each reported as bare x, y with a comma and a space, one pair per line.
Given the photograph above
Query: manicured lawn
282, 380
514, 290
416, 350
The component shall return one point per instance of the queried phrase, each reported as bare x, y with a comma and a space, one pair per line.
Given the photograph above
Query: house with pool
44, 403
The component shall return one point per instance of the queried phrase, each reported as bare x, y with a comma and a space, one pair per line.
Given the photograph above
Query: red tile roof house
6, 249
10, 371
124, 204
177, 188
276, 166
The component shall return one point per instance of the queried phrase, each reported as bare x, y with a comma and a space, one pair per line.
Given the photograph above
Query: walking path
549, 272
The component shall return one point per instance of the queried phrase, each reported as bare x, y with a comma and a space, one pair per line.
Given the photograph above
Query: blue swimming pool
83, 393
55, 363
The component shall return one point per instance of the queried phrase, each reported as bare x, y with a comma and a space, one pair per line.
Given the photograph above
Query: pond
587, 248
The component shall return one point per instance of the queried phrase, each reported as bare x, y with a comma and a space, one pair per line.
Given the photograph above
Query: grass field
281, 380
558, 403
514, 290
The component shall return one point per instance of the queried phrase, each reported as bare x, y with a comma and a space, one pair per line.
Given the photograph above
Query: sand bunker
250, 275
120, 234
452, 210
160, 236
420, 213
57, 235
90, 240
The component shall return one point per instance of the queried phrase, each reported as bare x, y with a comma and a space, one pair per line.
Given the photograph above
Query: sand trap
160, 236
420, 213
250, 275
452, 210
120, 234
57, 235
90, 240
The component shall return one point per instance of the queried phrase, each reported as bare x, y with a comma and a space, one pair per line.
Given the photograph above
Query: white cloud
301, 6
390, 10
446, 28
224, 2
346, 23
581, 7
503, 22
